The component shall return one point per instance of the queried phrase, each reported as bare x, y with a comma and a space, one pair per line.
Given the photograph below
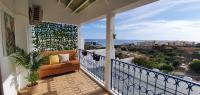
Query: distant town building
167, 43
160, 43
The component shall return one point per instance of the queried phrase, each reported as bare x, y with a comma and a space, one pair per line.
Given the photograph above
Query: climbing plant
52, 36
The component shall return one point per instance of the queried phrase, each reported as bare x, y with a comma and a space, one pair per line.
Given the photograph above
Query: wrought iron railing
130, 79
93, 63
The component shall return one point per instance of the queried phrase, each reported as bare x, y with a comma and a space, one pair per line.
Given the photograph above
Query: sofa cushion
64, 58
74, 61
55, 66
54, 59
72, 53
47, 67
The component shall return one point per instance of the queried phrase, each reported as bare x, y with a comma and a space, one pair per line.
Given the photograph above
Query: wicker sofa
49, 69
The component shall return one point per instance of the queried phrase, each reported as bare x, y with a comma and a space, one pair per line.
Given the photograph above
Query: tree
167, 68
176, 63
195, 66
119, 55
143, 61
140, 61
196, 55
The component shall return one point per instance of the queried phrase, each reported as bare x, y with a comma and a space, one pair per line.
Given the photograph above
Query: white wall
7, 70
21, 29
19, 10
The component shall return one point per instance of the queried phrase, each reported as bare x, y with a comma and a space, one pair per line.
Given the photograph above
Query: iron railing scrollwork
95, 67
130, 79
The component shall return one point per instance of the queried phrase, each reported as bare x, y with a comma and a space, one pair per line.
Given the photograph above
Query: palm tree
31, 61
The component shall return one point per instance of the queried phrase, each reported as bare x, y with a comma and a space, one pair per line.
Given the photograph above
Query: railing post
110, 51
79, 54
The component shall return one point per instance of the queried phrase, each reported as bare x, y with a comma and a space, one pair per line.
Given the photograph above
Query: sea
120, 42
116, 41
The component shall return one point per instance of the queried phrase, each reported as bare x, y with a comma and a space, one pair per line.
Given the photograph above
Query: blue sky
161, 20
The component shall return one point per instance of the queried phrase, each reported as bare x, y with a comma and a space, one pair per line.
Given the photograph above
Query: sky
161, 20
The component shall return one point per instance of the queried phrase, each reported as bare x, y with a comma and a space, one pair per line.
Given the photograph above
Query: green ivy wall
52, 36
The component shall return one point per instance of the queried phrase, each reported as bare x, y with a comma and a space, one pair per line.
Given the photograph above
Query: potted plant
84, 53
96, 57
30, 61
114, 36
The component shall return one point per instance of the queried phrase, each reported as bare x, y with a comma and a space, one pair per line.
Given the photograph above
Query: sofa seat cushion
74, 61
60, 65
47, 67
55, 66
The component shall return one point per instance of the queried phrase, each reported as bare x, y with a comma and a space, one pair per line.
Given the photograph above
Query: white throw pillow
64, 58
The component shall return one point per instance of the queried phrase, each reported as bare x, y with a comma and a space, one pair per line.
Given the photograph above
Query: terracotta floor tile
75, 83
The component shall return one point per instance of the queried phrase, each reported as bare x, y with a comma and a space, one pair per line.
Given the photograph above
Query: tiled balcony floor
75, 83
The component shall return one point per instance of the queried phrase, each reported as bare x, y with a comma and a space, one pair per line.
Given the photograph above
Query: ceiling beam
80, 6
107, 2
69, 3
59, 1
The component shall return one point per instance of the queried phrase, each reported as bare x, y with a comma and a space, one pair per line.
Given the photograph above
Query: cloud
162, 20
153, 9
145, 12
162, 30
94, 26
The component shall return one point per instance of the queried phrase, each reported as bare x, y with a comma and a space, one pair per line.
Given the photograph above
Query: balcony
99, 72
126, 79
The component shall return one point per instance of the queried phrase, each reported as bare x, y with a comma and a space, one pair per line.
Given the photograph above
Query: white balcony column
110, 50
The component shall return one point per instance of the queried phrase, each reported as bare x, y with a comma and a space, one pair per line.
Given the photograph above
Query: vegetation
31, 61
145, 62
120, 55
90, 47
196, 55
176, 63
166, 68
165, 58
195, 66
52, 36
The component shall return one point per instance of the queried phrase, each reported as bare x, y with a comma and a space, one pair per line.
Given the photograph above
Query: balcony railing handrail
95, 53
164, 74
132, 64
99, 74
152, 84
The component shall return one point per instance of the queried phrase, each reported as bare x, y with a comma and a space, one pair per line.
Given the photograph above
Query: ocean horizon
120, 41
116, 42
